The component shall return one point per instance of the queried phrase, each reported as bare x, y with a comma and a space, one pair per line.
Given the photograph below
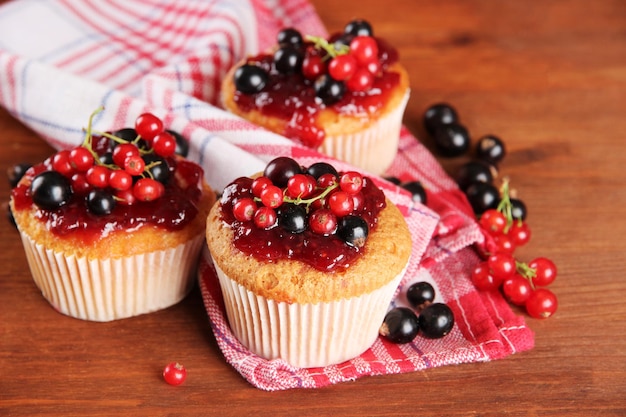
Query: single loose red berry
342, 67
120, 180
244, 209
493, 221
313, 66
61, 163
259, 184
134, 165
148, 126
340, 203
164, 144
272, 196
147, 189
545, 271
516, 289
174, 373
79, 183
501, 265
300, 186
122, 152
520, 233
98, 176
351, 182
483, 279
323, 222
504, 244
265, 217
361, 80
81, 159
364, 49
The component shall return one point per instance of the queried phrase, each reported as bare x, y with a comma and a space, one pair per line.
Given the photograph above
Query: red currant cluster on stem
317, 198
501, 216
121, 167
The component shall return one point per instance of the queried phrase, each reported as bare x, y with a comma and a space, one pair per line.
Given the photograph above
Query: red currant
361, 80
323, 222
148, 126
501, 265
351, 182
313, 66
134, 165
244, 209
493, 221
265, 217
174, 373
79, 183
125, 197
147, 189
98, 176
342, 67
327, 180
364, 49
164, 144
81, 159
516, 289
272, 196
300, 186
259, 184
120, 180
123, 151
340, 203
61, 163
545, 271
520, 233
504, 244
483, 279
541, 304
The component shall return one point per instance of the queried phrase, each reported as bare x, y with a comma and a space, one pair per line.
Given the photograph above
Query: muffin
113, 228
343, 96
307, 260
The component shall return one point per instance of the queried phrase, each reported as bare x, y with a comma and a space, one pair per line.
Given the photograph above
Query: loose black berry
518, 209
293, 218
452, 139
420, 294
289, 36
491, 149
359, 27
50, 190
128, 134
353, 230
438, 115
400, 325
16, 172
288, 60
250, 79
329, 90
100, 202
436, 321
320, 168
280, 169
482, 197
417, 191
473, 171
182, 145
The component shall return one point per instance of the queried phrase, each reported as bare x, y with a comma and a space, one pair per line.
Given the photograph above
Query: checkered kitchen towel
61, 59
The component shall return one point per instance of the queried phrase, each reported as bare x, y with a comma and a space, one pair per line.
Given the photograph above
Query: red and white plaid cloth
61, 59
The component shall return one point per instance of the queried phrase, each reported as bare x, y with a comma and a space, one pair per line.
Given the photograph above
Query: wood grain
549, 78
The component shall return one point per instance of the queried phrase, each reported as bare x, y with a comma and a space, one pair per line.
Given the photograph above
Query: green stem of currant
311, 200
526, 271
331, 49
88, 141
505, 207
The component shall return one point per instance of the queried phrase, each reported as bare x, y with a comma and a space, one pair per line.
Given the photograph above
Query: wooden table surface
549, 77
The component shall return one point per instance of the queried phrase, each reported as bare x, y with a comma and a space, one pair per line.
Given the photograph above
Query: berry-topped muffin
308, 261
113, 228
344, 96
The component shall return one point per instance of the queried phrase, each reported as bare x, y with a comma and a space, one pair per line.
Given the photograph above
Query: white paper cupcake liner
112, 289
305, 335
372, 149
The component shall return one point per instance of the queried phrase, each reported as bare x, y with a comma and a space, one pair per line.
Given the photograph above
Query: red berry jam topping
347, 72
115, 181
315, 215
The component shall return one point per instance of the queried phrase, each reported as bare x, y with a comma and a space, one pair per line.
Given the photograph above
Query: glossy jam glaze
325, 253
291, 97
173, 211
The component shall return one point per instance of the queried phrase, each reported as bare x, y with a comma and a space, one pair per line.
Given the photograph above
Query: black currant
288, 60
482, 197
491, 149
420, 294
16, 172
293, 218
157, 167
437, 115
393, 180
452, 139
400, 325
417, 190
250, 79
100, 202
128, 134
50, 190
329, 90
280, 169
353, 230
182, 145
289, 36
518, 209
436, 320
107, 158
320, 168
359, 27
473, 171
